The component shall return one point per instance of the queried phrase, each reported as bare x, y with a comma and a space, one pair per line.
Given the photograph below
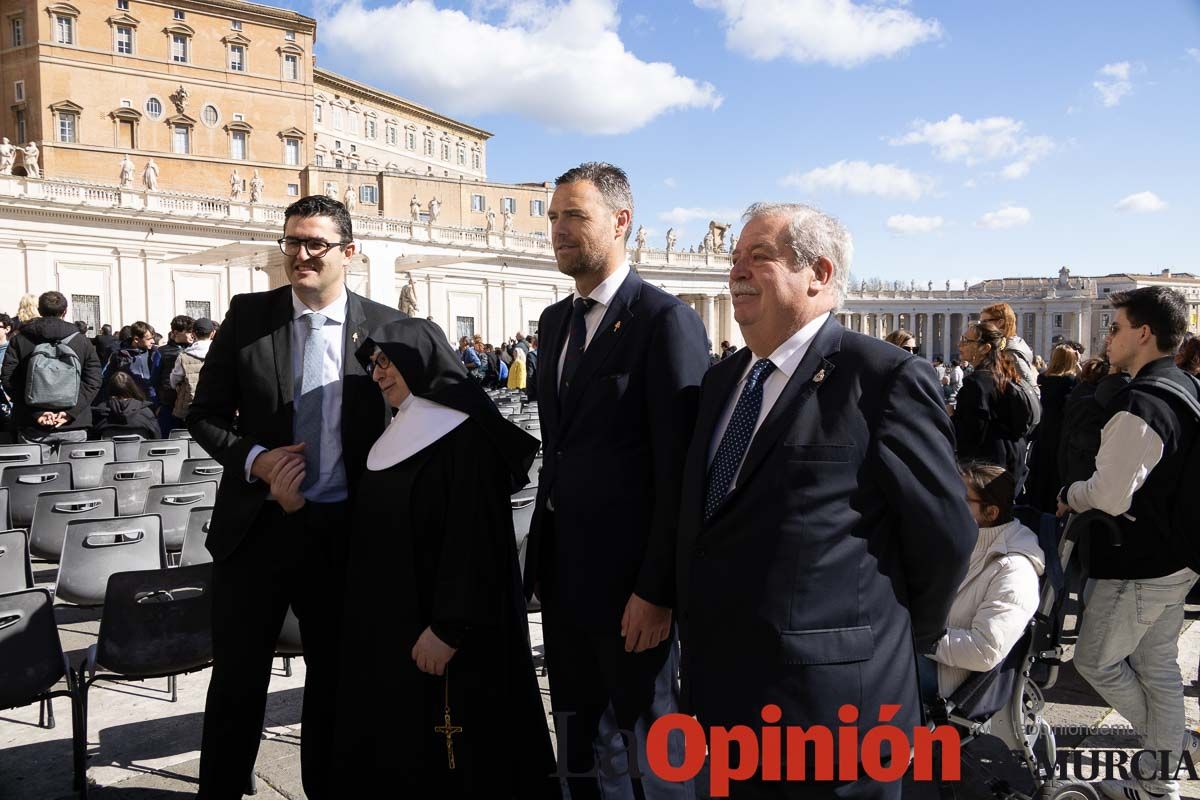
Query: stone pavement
143, 747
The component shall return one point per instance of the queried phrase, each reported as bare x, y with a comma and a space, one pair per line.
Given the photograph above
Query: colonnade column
928, 343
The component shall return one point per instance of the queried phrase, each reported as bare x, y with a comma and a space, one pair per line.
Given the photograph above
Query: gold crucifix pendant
448, 729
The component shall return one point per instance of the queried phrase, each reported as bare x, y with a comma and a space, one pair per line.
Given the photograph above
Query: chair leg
174, 689
79, 736
49, 713
287, 666
252, 784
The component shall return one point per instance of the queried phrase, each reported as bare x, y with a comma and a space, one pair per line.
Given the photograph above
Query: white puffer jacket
995, 601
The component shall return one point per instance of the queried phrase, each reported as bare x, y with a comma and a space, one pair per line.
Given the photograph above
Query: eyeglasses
314, 247
380, 361
910, 348
965, 340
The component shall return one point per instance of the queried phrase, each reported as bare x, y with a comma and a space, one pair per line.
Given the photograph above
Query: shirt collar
334, 312
789, 354
604, 293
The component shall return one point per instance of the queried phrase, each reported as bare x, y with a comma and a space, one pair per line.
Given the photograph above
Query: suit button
701, 552
558, 453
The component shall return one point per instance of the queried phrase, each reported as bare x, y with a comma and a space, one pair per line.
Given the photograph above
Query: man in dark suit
281, 386
618, 377
823, 525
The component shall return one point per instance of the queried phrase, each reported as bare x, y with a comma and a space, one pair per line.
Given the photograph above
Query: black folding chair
132, 480
25, 483
171, 452
96, 549
16, 573
87, 460
194, 549
55, 509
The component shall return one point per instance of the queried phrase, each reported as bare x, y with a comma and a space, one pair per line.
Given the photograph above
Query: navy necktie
736, 440
576, 343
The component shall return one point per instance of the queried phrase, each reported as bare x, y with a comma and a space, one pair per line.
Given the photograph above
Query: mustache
742, 287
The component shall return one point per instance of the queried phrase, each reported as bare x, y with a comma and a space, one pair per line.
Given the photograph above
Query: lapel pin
354, 337
617, 327
820, 376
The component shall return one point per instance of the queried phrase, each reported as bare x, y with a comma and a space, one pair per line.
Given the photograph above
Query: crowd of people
699, 516
135, 382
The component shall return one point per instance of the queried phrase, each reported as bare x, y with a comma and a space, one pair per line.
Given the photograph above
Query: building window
338, 163
354, 115
237, 145
537, 208
428, 145
19, 91
237, 58
445, 151
464, 326
124, 37
291, 67
291, 152
410, 140
353, 148
126, 103
17, 29
64, 29
179, 14
153, 107
181, 140
20, 125
370, 128
477, 203
338, 117
1058, 320
67, 126
392, 133
210, 115
289, 36
1105, 321
86, 307
123, 5
317, 113
475, 160
293, 190
239, 117
235, 24
320, 160
179, 48
367, 194
509, 204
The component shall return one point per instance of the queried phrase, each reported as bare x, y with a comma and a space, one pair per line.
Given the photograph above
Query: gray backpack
53, 376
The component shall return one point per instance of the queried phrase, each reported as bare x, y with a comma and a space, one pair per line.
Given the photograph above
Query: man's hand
431, 653
266, 461
285, 484
46, 419
60, 419
644, 625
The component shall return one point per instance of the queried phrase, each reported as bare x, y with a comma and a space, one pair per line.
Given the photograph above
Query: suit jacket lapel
612, 326
713, 401
799, 388
549, 351
281, 342
354, 331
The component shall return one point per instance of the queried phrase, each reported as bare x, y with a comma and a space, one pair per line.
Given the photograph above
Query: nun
439, 697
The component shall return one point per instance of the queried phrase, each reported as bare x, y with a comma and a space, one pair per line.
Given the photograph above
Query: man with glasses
1128, 646
283, 368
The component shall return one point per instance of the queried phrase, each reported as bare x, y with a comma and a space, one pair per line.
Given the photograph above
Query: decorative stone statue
691, 249
732, 242
180, 98
717, 230
29, 160
930, 287
708, 245
670, 239
947, 285
507, 216
257, 184
435, 211
414, 209
912, 286
235, 185
491, 220
8, 156
966, 286
350, 198
126, 172
408, 297
150, 176
640, 238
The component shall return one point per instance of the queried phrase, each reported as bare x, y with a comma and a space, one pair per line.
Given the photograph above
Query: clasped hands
52, 419
283, 469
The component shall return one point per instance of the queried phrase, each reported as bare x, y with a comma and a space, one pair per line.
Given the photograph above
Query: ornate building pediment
62, 9
66, 106
124, 19
126, 113
292, 133
179, 27
180, 119
236, 38
239, 125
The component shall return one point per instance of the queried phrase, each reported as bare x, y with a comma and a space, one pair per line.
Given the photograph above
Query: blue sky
957, 141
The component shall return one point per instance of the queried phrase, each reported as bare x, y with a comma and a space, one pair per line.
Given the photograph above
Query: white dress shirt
603, 295
330, 485
785, 358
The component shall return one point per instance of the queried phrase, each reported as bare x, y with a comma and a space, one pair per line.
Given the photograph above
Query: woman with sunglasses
989, 416
902, 339
435, 609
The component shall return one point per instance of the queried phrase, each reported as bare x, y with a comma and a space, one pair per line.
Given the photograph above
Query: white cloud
955, 139
1141, 203
1006, 217
681, 216
908, 224
560, 62
1194, 52
838, 32
670, 183
1114, 83
859, 177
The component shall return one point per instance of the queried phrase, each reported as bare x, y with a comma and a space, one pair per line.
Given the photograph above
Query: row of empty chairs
87, 459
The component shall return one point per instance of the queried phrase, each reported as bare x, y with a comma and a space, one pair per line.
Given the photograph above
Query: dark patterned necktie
576, 342
737, 436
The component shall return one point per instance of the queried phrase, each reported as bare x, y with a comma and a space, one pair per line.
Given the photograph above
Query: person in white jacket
1000, 593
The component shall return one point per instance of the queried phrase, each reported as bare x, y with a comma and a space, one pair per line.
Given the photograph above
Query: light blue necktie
737, 436
309, 402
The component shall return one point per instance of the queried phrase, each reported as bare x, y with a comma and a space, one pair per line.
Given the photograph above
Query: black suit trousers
285, 559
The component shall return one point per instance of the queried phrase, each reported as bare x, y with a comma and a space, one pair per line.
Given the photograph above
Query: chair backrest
19, 455
180, 433
194, 549
132, 480
55, 509
31, 658
97, 548
172, 502
16, 573
200, 469
125, 446
535, 470
87, 460
171, 452
156, 621
4, 522
195, 450
522, 511
25, 483
289, 643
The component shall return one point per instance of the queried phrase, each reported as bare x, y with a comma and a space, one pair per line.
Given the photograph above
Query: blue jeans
1128, 650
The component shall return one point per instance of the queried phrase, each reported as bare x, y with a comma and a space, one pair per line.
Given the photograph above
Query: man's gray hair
610, 180
812, 234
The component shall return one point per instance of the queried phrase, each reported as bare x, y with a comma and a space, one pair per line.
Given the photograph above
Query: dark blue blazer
846, 536
613, 454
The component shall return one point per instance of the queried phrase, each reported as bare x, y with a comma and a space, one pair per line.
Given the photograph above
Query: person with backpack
1149, 457
185, 375
993, 415
51, 375
140, 359
179, 338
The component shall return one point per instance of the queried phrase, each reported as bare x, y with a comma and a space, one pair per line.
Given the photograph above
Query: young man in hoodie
48, 427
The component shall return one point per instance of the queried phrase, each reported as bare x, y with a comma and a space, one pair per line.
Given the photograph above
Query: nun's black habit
434, 547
